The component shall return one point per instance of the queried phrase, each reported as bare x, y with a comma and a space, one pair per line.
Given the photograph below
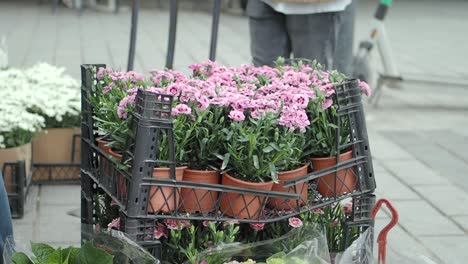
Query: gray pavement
418, 133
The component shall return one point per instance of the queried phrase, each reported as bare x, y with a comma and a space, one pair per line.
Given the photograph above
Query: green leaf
268, 149
225, 161
58, 257
255, 161
71, 253
273, 172
20, 258
42, 251
89, 254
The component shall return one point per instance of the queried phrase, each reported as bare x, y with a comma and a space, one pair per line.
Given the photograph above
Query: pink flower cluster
246, 91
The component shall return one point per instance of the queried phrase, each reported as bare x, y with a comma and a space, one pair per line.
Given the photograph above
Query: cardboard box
52, 147
14, 155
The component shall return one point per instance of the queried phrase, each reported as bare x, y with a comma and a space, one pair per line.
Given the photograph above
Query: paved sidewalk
418, 134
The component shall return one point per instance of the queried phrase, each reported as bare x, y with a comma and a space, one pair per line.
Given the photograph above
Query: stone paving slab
382, 149
64, 195
419, 218
451, 249
439, 159
390, 187
401, 245
414, 173
449, 199
55, 225
462, 221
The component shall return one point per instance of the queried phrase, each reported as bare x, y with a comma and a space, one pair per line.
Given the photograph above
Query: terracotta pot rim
101, 139
295, 170
200, 171
333, 157
113, 153
166, 168
225, 174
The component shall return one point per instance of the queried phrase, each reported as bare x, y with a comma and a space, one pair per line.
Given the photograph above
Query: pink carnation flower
206, 223
160, 231
108, 88
237, 115
257, 226
100, 73
365, 88
327, 103
318, 211
300, 100
181, 109
172, 224
295, 222
114, 224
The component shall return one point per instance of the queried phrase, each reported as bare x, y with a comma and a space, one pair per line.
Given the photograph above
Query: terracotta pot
301, 188
199, 200
162, 198
345, 178
245, 206
102, 145
121, 184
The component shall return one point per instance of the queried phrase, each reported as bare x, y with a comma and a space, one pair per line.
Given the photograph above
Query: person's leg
268, 36
314, 36
345, 48
6, 229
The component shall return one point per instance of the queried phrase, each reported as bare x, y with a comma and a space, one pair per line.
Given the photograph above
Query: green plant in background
45, 254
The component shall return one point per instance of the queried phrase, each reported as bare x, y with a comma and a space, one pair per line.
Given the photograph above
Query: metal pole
214, 29
133, 34
172, 34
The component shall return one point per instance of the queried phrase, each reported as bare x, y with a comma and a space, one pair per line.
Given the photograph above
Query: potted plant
114, 90
262, 94
161, 198
251, 161
204, 138
323, 137
18, 126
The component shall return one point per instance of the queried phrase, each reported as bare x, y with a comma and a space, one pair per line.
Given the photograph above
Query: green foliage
187, 243
17, 137
205, 138
256, 150
45, 254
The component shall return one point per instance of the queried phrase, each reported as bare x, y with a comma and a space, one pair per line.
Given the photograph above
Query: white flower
27, 96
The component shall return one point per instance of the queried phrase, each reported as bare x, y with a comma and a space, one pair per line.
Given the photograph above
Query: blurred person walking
309, 29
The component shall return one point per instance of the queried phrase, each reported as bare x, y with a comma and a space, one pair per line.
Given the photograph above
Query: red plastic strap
382, 238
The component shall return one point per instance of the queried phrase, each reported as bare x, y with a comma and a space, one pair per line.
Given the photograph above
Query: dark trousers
321, 36
6, 229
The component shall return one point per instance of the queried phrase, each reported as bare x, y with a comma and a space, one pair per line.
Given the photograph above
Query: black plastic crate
16, 185
133, 189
